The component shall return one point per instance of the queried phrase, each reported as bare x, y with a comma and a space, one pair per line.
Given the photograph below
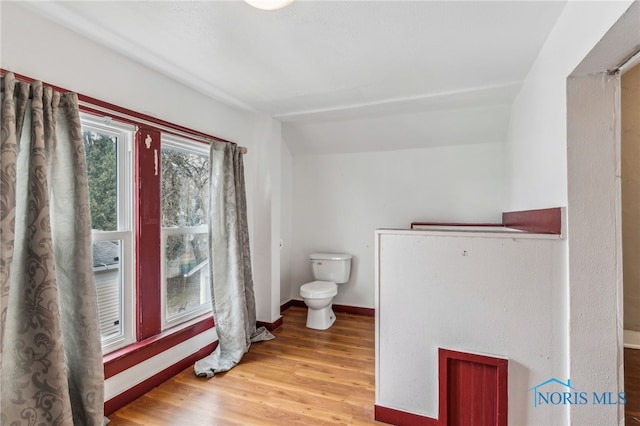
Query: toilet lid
318, 289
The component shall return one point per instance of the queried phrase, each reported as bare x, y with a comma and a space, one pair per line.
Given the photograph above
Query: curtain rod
630, 61
96, 106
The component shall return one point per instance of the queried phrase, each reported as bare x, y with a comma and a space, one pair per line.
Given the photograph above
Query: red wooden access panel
473, 389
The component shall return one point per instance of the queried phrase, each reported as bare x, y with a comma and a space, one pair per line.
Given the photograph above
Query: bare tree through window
185, 201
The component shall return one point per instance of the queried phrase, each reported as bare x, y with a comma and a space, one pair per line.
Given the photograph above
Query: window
149, 200
186, 291
109, 170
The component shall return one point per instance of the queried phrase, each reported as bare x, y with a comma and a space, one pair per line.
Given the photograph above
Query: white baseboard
129, 378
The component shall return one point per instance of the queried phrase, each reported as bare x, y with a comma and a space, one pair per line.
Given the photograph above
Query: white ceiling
343, 76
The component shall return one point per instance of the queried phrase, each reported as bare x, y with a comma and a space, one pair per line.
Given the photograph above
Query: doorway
594, 217
630, 189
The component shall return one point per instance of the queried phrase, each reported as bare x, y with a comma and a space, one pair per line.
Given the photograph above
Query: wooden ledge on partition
539, 221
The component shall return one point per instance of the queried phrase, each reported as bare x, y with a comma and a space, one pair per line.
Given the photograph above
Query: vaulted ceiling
342, 76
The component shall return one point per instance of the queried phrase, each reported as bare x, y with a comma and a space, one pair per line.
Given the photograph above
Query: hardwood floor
302, 377
632, 386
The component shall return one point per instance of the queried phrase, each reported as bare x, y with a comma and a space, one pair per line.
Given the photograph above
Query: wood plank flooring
302, 377
632, 386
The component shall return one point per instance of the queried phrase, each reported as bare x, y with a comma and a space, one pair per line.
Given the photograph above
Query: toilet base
320, 319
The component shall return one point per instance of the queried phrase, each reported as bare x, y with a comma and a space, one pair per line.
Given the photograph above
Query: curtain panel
51, 356
232, 295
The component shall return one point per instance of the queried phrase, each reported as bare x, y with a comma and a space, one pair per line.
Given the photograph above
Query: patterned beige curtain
232, 296
51, 361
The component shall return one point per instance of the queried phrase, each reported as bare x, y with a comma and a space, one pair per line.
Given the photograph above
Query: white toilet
329, 269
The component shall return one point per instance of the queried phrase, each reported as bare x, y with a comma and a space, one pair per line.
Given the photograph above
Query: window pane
102, 168
107, 271
187, 273
185, 203
108, 151
185, 185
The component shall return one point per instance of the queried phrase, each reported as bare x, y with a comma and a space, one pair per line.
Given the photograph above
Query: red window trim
131, 117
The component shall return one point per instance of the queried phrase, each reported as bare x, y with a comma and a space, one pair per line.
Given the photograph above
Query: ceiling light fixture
268, 4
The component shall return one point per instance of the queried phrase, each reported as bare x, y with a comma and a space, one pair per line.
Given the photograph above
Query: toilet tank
335, 267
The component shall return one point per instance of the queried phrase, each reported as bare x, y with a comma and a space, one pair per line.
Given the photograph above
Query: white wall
286, 220
595, 320
264, 190
339, 201
537, 137
46, 51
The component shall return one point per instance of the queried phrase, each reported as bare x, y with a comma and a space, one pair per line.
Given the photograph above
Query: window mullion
148, 232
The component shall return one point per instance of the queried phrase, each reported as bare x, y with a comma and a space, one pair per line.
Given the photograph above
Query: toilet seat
318, 289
